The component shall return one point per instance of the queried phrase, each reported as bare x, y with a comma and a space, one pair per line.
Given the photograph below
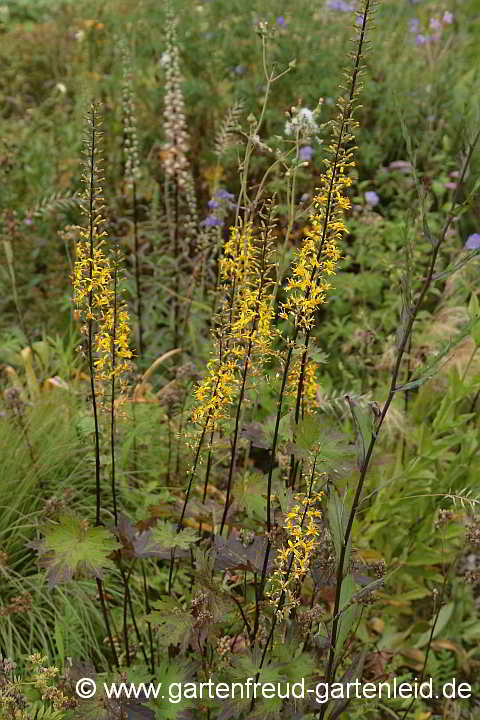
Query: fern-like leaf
225, 138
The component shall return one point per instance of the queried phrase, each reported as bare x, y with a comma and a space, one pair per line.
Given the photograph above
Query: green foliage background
420, 107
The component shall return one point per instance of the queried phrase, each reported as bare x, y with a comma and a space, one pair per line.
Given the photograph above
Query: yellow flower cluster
92, 279
106, 341
215, 393
94, 296
309, 383
245, 319
293, 560
317, 258
104, 317
245, 267
237, 255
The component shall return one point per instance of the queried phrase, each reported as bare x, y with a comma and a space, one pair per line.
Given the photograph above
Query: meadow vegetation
239, 367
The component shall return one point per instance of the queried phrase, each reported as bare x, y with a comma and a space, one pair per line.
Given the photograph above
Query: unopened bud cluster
132, 163
175, 123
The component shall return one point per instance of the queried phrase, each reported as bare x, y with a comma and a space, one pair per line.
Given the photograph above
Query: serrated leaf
174, 623
306, 432
166, 535
71, 548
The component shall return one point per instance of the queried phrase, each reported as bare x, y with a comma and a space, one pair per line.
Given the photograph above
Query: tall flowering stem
92, 272
253, 327
293, 560
93, 294
243, 320
316, 261
95, 289
176, 164
132, 174
213, 396
114, 358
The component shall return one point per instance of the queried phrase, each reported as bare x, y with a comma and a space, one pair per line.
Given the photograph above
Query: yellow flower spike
302, 531
105, 318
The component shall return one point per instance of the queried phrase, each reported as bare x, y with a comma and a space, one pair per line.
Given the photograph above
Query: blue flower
414, 25
371, 198
212, 221
422, 39
473, 242
224, 195
213, 204
306, 153
340, 5
281, 20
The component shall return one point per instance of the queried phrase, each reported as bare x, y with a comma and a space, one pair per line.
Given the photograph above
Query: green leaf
364, 427
348, 617
285, 496
174, 623
451, 269
59, 632
7, 246
423, 555
474, 307
337, 520
165, 534
432, 367
71, 548
85, 425
306, 432
444, 616
426, 229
